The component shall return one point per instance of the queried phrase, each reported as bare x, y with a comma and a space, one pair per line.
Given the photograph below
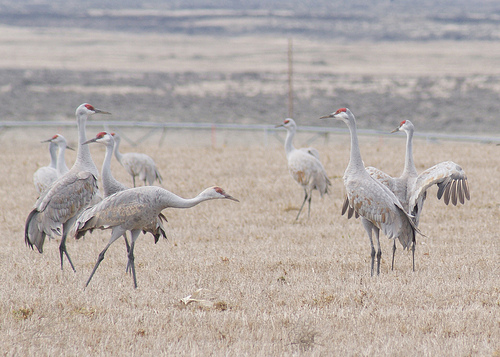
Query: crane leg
309, 205
303, 203
413, 255
114, 236
131, 265
368, 228
63, 251
99, 260
379, 250
393, 253
133, 179
126, 242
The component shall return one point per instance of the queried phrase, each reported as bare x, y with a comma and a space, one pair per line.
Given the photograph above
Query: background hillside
436, 63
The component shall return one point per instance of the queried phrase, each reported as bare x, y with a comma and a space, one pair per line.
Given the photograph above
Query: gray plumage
411, 187
137, 164
46, 175
111, 185
304, 166
135, 210
67, 197
378, 207
62, 145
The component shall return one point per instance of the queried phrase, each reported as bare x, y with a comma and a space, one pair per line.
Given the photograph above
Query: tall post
290, 78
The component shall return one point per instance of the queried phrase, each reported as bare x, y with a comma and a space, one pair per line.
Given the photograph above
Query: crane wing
378, 175
382, 177
451, 181
308, 171
375, 202
66, 198
131, 209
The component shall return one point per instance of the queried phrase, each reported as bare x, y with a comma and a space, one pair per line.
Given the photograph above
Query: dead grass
274, 286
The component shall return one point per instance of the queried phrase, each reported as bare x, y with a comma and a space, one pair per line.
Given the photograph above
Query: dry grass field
270, 285
264, 284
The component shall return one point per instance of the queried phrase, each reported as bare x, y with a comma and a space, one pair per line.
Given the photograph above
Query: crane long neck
355, 162
289, 141
61, 162
409, 164
117, 150
170, 199
83, 157
107, 176
53, 155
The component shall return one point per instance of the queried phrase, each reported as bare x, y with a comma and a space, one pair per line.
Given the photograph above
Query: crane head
342, 114
102, 137
405, 125
288, 123
217, 193
59, 140
88, 110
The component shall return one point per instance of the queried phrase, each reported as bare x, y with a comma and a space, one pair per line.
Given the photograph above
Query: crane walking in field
135, 210
411, 188
137, 164
378, 207
112, 186
68, 196
46, 175
62, 144
304, 166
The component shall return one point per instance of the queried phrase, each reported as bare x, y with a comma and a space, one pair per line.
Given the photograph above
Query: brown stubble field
271, 285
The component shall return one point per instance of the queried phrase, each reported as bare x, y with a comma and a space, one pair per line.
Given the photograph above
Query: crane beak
229, 197
278, 126
99, 111
328, 116
397, 129
69, 148
90, 141
46, 141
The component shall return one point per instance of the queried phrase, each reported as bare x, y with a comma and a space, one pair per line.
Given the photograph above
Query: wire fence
154, 129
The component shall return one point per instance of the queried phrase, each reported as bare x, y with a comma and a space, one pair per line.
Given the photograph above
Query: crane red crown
341, 110
101, 134
402, 123
89, 107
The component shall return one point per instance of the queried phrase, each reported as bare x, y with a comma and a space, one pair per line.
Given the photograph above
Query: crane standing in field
46, 175
411, 188
112, 186
135, 210
304, 166
137, 164
68, 196
62, 145
378, 207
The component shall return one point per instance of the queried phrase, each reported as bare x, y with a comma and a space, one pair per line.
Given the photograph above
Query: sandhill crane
46, 175
378, 207
135, 210
62, 144
110, 184
137, 164
411, 188
304, 166
68, 196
